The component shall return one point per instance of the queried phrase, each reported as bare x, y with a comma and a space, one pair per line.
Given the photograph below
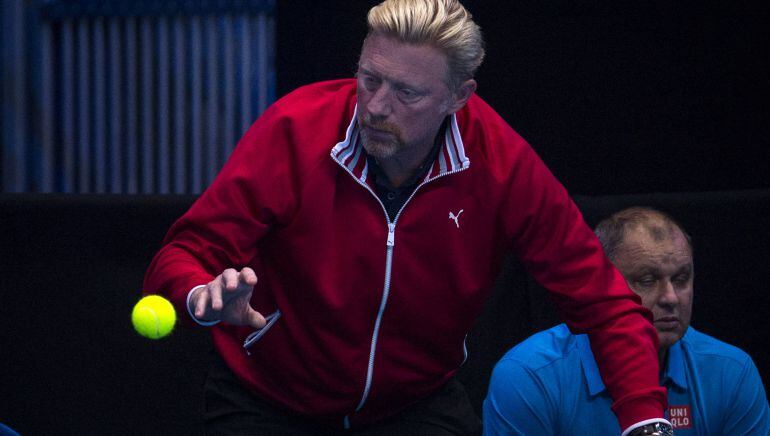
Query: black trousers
231, 409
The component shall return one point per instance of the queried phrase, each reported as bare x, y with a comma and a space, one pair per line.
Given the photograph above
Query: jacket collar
350, 153
674, 369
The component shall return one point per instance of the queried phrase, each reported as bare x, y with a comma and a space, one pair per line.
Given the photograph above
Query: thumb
255, 319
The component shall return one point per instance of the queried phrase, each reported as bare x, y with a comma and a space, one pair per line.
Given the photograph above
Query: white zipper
390, 244
383, 303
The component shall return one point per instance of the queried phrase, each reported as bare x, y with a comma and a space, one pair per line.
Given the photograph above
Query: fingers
230, 279
248, 276
233, 283
227, 298
201, 299
218, 286
238, 281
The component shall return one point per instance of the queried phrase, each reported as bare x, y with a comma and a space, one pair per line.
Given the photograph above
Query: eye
407, 95
368, 82
681, 280
645, 282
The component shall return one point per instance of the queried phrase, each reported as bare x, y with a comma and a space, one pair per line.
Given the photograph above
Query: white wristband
192, 315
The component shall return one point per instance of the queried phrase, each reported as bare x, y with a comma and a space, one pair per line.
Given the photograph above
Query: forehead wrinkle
642, 254
398, 73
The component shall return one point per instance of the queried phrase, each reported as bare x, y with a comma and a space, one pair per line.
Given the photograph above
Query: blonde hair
444, 24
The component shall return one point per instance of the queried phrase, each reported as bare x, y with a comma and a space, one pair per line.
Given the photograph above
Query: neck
662, 359
403, 165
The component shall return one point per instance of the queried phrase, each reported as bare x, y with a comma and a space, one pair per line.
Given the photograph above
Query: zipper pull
391, 235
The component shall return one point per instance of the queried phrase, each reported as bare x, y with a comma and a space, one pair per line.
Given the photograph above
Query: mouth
667, 323
375, 133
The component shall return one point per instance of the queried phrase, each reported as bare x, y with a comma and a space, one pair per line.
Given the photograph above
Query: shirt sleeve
517, 403
747, 411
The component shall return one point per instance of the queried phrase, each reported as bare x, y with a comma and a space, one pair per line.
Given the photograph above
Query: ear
461, 96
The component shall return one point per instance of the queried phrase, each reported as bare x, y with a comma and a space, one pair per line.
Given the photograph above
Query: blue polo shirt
550, 385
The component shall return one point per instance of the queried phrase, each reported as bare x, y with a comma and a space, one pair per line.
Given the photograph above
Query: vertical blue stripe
131, 107
262, 63
116, 103
196, 122
68, 107
47, 158
212, 86
103, 119
270, 67
179, 167
14, 86
148, 112
99, 108
84, 107
229, 87
164, 108
245, 58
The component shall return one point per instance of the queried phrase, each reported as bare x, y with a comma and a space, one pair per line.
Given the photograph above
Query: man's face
657, 264
402, 96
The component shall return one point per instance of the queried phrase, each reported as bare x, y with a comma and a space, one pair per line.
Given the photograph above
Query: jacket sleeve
252, 193
746, 411
563, 254
517, 402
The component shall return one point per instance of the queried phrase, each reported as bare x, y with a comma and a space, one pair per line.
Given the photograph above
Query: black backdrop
617, 97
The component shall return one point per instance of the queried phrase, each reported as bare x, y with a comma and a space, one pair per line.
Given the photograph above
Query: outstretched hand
226, 298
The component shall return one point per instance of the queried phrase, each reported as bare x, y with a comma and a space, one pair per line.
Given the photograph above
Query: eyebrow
654, 270
398, 84
644, 269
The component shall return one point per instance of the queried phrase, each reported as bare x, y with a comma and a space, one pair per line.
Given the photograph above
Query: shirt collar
674, 372
350, 154
590, 370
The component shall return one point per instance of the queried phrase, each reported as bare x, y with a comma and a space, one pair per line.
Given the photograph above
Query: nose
379, 104
667, 294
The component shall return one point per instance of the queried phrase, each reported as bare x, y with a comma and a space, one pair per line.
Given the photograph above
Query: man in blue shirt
550, 384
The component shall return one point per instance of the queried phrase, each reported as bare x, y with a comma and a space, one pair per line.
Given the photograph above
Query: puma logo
454, 217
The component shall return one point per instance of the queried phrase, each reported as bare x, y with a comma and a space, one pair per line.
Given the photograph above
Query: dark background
617, 97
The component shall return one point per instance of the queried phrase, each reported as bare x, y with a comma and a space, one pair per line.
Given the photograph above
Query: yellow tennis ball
153, 317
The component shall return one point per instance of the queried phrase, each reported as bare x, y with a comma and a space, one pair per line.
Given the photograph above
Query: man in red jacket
358, 227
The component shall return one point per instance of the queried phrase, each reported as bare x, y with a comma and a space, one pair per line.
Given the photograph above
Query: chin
667, 339
380, 150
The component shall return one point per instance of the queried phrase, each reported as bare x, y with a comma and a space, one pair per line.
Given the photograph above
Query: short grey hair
611, 231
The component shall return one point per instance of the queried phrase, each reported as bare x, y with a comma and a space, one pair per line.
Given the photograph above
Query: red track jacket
374, 314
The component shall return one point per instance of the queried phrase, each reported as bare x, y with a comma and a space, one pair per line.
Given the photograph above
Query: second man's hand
226, 298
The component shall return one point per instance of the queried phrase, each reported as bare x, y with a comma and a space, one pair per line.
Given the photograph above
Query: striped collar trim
350, 152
